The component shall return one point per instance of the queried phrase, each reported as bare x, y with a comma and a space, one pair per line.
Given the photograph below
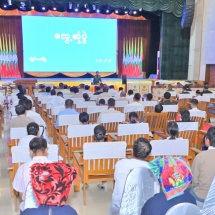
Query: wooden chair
178, 147
98, 163
138, 109
198, 116
184, 101
149, 106
77, 135
82, 106
120, 105
94, 112
111, 121
64, 121
171, 110
130, 133
156, 121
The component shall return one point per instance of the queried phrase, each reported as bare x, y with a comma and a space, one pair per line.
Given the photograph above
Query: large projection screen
64, 44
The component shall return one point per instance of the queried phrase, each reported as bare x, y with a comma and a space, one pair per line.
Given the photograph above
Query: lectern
29, 83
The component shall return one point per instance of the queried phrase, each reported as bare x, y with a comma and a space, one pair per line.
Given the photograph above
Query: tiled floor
97, 200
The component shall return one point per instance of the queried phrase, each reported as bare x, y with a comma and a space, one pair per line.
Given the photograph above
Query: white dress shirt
22, 177
135, 104
36, 117
122, 169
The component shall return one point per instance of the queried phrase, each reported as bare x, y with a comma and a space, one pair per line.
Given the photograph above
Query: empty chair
120, 105
82, 106
171, 111
94, 112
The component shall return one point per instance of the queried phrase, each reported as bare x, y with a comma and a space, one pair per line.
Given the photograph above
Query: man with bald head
122, 96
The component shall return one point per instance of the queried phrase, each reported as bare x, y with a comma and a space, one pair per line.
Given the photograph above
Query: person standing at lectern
97, 79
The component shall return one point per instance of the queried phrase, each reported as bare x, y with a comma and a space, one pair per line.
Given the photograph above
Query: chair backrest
133, 108
156, 121
209, 206
82, 106
198, 116
56, 110
171, 110
94, 112
170, 147
93, 97
185, 96
76, 100
184, 209
141, 185
149, 103
188, 130
130, 132
20, 154
120, 105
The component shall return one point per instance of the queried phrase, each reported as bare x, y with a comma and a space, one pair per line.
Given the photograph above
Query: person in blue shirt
68, 111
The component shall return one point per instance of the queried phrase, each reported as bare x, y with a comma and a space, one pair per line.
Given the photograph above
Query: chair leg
85, 198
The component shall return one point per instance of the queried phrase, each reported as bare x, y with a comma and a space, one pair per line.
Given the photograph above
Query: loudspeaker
124, 79
188, 13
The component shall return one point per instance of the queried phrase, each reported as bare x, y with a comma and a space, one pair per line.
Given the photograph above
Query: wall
202, 40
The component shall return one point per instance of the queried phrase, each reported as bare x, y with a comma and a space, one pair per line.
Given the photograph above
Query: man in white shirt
86, 90
141, 149
110, 110
122, 96
32, 114
38, 151
195, 111
24, 92
117, 95
112, 91
136, 100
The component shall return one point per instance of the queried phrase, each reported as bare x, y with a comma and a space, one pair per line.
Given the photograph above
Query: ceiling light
134, 12
107, 11
116, 11
32, 7
54, 8
76, 9
5, 6
43, 8
126, 11
97, 10
87, 10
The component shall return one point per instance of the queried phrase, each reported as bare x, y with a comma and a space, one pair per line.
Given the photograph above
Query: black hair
130, 92
172, 129
141, 148
133, 117
158, 108
194, 102
71, 89
86, 97
111, 87
206, 86
198, 92
38, 144
84, 117
28, 104
167, 95
69, 103
23, 90
120, 88
185, 115
20, 95
48, 89
102, 101
86, 87
211, 136
76, 90
97, 88
99, 132
60, 94
137, 96
32, 128
111, 102
105, 89
53, 92
20, 109
149, 96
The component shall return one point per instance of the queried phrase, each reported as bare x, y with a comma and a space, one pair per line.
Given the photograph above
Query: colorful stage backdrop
132, 51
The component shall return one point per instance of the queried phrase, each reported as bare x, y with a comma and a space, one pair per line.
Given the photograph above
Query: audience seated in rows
136, 100
101, 102
110, 110
77, 94
69, 110
141, 149
24, 92
167, 99
38, 150
203, 169
194, 105
21, 120
56, 100
175, 176
185, 115
117, 95
198, 95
